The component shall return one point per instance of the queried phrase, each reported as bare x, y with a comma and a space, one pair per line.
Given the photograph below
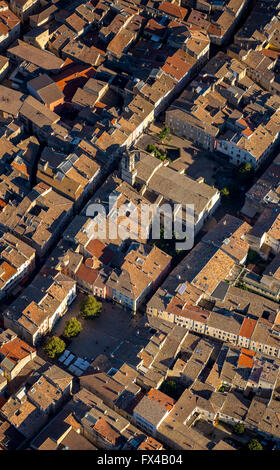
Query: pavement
101, 334
210, 431
194, 161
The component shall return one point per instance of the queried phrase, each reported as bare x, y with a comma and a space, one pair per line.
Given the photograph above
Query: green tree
245, 168
253, 257
171, 384
170, 388
254, 444
245, 173
242, 285
72, 328
90, 307
225, 192
165, 132
159, 155
54, 346
151, 148
239, 428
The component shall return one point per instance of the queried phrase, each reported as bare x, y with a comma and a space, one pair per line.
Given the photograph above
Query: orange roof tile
159, 397
172, 9
6, 271
22, 167
178, 64
245, 360
98, 104
248, 352
247, 327
270, 53
16, 350
106, 431
86, 274
150, 444
247, 132
97, 248
73, 77
242, 122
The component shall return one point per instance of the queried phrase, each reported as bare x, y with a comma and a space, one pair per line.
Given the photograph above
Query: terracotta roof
246, 359
153, 27
8, 21
41, 58
247, 327
100, 251
150, 444
16, 350
6, 271
86, 274
173, 10
120, 42
76, 22
179, 64
159, 397
106, 431
72, 78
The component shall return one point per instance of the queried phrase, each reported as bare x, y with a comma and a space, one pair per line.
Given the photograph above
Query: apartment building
45, 61
38, 219
224, 327
44, 89
101, 426
264, 192
245, 333
73, 176
264, 237
24, 8
43, 393
17, 260
64, 432
42, 17
9, 26
34, 313
140, 273
152, 410
14, 354
185, 125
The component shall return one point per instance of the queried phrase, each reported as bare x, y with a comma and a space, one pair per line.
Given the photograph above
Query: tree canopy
152, 149
54, 346
72, 328
90, 307
245, 173
239, 428
165, 132
245, 168
254, 444
225, 192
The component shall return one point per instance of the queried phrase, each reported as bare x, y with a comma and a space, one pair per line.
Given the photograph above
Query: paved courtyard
195, 161
210, 431
101, 334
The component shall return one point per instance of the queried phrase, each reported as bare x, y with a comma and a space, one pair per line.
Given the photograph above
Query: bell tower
128, 162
